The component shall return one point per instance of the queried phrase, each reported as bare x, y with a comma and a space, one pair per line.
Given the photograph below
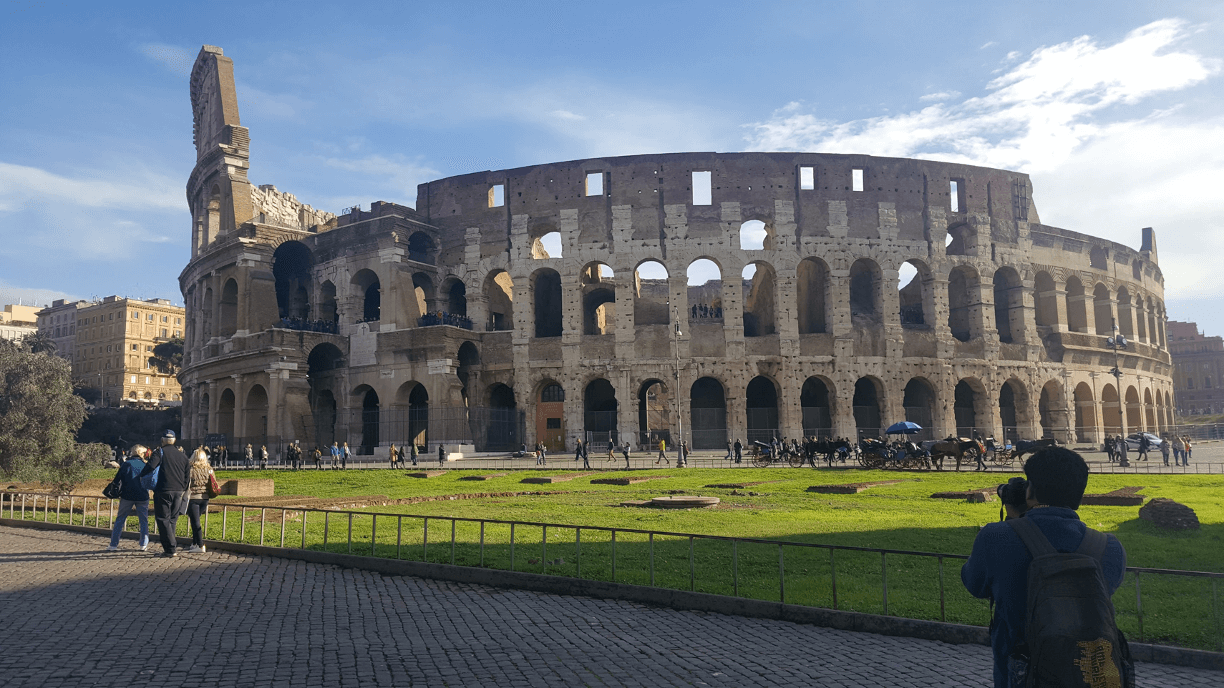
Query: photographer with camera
1072, 571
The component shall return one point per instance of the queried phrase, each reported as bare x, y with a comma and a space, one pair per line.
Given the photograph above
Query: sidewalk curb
954, 634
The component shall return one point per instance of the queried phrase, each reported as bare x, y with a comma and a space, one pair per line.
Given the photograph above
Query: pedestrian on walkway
170, 492
133, 498
682, 459
611, 452
1177, 449
412, 452
739, 451
585, 455
578, 451
1164, 451
625, 451
250, 457
335, 456
344, 456
441, 456
318, 459
730, 451
1144, 445
394, 455
981, 465
197, 498
1189, 448
263, 456
998, 568
1121, 448
662, 452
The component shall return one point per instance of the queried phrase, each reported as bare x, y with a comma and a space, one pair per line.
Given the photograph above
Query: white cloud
398, 175
173, 58
988, 44
940, 97
566, 114
21, 185
10, 294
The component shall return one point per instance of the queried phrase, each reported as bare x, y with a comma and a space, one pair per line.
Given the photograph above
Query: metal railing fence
1180, 607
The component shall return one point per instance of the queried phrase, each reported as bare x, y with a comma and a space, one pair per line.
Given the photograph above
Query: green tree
39, 343
39, 419
167, 357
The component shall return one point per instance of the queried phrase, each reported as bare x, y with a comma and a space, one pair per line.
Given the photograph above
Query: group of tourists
396, 455
1117, 449
181, 486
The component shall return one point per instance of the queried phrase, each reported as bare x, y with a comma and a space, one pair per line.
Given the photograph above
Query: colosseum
715, 295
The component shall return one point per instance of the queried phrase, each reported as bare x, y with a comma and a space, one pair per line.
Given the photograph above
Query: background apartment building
1198, 365
18, 322
114, 340
58, 322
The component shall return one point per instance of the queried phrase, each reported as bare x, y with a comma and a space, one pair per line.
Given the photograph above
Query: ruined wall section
285, 210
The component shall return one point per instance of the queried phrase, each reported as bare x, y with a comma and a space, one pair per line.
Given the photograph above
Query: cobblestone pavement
74, 615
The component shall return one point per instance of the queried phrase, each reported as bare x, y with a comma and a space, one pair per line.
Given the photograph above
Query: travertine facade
357, 327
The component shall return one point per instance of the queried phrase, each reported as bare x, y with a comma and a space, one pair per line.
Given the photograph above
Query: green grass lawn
900, 516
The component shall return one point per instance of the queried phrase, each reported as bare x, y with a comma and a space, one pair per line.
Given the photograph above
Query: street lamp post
682, 461
1116, 342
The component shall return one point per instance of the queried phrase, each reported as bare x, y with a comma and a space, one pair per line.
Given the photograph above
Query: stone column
843, 410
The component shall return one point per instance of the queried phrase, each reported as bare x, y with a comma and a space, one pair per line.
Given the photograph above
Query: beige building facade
114, 340
18, 322
1198, 365
712, 296
58, 322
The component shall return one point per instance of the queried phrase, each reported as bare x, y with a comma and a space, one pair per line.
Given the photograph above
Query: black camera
1013, 493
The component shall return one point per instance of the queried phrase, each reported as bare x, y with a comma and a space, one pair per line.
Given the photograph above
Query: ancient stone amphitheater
717, 295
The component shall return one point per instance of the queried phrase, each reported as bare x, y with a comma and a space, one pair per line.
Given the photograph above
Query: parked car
1132, 441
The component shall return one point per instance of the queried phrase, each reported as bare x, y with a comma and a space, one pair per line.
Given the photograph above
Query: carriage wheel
760, 461
796, 460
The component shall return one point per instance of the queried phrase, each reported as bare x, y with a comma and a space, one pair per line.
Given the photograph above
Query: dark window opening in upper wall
956, 201
594, 184
807, 178
856, 179
497, 195
702, 195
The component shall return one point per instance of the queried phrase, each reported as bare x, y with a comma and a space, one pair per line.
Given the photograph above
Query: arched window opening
366, 284
225, 415
291, 263
1111, 407
255, 416
762, 409
962, 300
327, 303
1050, 408
469, 358
1149, 411
1125, 322
598, 300
415, 398
812, 293
1011, 400
202, 413
1134, 412
756, 236
760, 293
708, 414
1140, 315
456, 299
1085, 413
654, 413
864, 292
550, 416
1102, 309
499, 292
960, 241
1077, 306
546, 246
502, 428
423, 292
1098, 258
599, 413
814, 400
546, 285
651, 294
919, 404
1046, 300
421, 248
964, 408
868, 416
229, 308
1009, 305
705, 303
912, 294
369, 421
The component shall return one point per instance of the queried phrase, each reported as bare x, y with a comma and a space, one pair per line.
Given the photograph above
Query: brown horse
955, 447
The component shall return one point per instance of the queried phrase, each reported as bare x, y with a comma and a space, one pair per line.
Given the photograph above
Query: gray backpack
1070, 636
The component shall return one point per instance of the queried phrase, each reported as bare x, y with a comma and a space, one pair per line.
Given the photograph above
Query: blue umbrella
905, 427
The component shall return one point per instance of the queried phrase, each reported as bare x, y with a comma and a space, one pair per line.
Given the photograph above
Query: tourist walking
1144, 445
133, 498
249, 460
335, 456
1175, 443
662, 452
611, 452
1189, 449
730, 451
1121, 449
263, 456
344, 456
318, 459
739, 451
441, 455
393, 454
682, 455
412, 452
1164, 450
585, 455
197, 498
170, 491
625, 451
293, 452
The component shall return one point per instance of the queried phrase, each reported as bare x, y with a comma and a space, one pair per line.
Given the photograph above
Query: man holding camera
1041, 516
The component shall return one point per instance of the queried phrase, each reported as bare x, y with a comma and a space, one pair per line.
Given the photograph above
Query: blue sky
1114, 108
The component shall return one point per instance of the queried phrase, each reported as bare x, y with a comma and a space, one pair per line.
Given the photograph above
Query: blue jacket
998, 569
129, 481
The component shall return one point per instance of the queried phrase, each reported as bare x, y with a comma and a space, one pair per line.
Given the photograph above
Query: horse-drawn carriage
874, 453
762, 454
1004, 454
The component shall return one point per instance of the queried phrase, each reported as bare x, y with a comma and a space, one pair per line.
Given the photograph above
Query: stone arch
866, 300
651, 294
255, 415
599, 411
499, 292
1085, 413
1126, 323
424, 293
1139, 312
456, 296
1051, 409
370, 418
1077, 305
225, 414
1098, 257
550, 414
291, 265
961, 240
321, 364
412, 413
705, 291
756, 235
812, 296
369, 290
1008, 305
868, 405
202, 413
598, 299
501, 428
469, 357
920, 401
1014, 410
708, 413
1045, 298
1153, 334
1102, 309
1149, 412
760, 299
207, 308
1134, 412
816, 404
970, 406
761, 398
964, 300
1111, 410
545, 236
327, 303
422, 248
654, 405
914, 294
549, 305
229, 308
